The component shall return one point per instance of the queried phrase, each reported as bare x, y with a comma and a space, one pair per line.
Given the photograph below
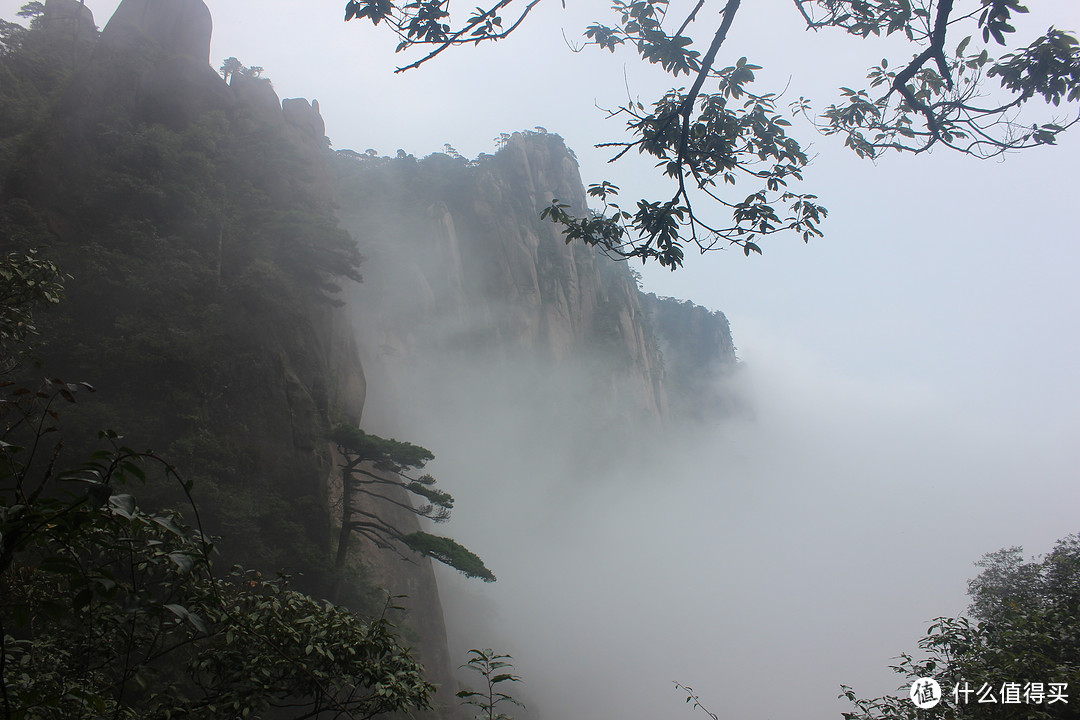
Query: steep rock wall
698, 352
462, 271
195, 218
210, 190
179, 28
485, 336
462, 268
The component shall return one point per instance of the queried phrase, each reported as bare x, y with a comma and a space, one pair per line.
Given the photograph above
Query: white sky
936, 322
939, 270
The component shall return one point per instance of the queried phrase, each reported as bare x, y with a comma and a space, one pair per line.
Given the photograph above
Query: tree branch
457, 39
935, 51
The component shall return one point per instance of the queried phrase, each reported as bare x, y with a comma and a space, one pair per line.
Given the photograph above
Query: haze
911, 383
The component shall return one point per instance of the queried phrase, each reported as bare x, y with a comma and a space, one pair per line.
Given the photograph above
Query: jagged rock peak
70, 17
698, 351
538, 165
178, 27
257, 95
305, 116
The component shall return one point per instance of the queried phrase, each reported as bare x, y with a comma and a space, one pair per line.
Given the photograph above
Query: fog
762, 561
909, 387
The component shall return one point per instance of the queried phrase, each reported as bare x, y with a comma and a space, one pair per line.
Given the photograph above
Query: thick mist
765, 557
763, 560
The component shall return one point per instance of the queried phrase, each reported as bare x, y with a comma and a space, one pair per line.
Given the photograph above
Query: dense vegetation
202, 272
1016, 655
201, 265
110, 610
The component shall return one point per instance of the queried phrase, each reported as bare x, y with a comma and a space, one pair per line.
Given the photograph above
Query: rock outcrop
462, 266
69, 17
154, 57
305, 117
698, 351
257, 99
177, 28
70, 26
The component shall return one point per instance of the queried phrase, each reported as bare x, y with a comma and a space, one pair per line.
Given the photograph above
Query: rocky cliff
194, 216
214, 300
698, 353
460, 267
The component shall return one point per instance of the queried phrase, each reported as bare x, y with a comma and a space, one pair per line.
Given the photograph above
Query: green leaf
182, 560
123, 505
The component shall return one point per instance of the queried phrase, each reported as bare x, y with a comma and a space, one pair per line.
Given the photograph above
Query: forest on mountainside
181, 256
202, 365
190, 286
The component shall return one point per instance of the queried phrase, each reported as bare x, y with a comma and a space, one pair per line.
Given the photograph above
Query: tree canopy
967, 86
376, 469
110, 610
1016, 656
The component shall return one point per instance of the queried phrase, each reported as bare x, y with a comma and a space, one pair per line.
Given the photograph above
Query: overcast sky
939, 270
919, 363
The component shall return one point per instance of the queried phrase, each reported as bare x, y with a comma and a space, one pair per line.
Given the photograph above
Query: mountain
215, 246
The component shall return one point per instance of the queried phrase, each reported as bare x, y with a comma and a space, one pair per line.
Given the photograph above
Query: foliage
1023, 637
496, 670
34, 64
205, 262
32, 10
385, 455
11, 36
720, 132
232, 67
377, 469
26, 282
108, 610
449, 552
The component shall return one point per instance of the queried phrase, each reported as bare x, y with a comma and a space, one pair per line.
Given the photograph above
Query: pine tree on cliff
376, 469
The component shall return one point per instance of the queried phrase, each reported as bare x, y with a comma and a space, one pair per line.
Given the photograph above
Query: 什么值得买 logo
925, 693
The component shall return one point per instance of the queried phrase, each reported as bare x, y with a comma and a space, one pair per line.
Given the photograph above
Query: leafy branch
720, 133
107, 610
496, 671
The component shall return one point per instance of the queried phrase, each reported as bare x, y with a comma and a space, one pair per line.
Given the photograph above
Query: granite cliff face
155, 54
698, 352
72, 21
176, 28
194, 216
460, 267
198, 219
474, 311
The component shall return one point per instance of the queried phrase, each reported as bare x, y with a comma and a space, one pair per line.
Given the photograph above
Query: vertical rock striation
461, 267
